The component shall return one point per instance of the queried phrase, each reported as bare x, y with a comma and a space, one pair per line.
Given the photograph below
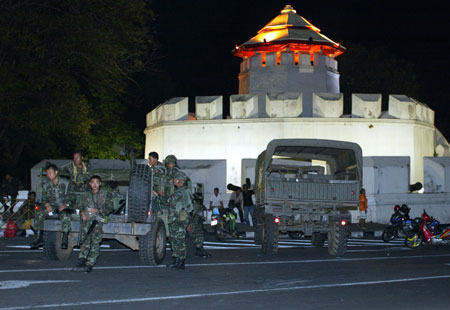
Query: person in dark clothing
10, 187
248, 203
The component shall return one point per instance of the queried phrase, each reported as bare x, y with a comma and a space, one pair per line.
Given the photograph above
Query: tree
64, 69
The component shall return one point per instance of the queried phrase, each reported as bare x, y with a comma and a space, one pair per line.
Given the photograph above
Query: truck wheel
52, 246
318, 239
270, 235
152, 246
337, 239
258, 226
139, 193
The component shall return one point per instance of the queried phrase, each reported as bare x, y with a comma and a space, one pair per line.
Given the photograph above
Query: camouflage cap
180, 176
170, 159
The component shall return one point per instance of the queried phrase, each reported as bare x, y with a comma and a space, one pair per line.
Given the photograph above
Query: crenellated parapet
290, 105
175, 109
263, 60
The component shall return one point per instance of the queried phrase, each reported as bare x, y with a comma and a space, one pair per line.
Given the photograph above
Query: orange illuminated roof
289, 30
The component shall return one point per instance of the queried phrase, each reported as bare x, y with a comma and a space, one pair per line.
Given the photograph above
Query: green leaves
64, 70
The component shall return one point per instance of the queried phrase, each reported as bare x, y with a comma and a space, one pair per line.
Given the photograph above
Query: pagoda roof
289, 30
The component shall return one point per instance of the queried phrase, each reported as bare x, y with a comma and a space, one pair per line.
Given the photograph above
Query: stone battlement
290, 105
267, 60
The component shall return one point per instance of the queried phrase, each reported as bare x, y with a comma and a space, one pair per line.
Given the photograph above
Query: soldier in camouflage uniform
159, 172
79, 176
55, 199
79, 172
96, 205
195, 227
180, 208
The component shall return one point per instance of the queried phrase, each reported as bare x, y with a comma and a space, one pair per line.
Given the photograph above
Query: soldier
79, 171
171, 164
96, 205
55, 199
158, 173
180, 207
195, 227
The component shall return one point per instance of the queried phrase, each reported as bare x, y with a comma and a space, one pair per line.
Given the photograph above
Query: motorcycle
224, 223
400, 223
428, 230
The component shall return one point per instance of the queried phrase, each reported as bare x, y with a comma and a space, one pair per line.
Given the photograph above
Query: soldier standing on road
55, 199
180, 207
195, 228
96, 205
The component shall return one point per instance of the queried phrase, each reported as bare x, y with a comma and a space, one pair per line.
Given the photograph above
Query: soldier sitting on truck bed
55, 199
79, 172
96, 205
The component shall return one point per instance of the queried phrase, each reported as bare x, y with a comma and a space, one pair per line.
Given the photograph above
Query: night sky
197, 38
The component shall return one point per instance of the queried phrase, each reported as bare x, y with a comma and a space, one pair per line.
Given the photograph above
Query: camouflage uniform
196, 222
79, 179
180, 208
90, 248
55, 195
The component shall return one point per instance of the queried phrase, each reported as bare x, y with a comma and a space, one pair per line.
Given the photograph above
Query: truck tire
270, 235
152, 246
139, 193
318, 239
337, 239
258, 225
52, 246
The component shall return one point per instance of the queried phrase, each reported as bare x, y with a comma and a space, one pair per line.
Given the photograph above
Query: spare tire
139, 193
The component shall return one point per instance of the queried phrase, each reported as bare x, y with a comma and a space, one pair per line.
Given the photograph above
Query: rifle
81, 230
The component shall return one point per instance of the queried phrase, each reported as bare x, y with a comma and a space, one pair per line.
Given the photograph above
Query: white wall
234, 140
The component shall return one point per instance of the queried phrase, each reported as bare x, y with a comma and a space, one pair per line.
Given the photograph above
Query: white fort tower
289, 88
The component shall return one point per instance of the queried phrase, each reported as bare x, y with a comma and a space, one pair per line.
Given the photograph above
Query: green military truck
307, 187
137, 221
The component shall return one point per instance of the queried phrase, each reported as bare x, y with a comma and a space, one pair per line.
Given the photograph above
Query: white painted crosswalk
302, 243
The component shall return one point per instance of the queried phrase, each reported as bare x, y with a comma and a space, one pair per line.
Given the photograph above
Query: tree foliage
64, 69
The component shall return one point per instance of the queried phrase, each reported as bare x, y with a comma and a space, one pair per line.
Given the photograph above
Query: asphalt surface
372, 275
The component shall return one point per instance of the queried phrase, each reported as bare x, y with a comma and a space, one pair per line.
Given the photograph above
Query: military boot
39, 242
173, 263
80, 265
201, 252
180, 264
65, 240
88, 268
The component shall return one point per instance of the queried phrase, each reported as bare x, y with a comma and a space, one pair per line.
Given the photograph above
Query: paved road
372, 275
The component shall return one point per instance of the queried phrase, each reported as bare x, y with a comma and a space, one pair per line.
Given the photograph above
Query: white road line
241, 292
75, 250
306, 261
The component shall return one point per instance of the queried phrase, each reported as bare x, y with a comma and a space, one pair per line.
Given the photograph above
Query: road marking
241, 292
103, 246
75, 250
306, 261
5, 285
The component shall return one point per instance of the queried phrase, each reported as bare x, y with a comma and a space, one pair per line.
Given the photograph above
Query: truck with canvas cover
306, 187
